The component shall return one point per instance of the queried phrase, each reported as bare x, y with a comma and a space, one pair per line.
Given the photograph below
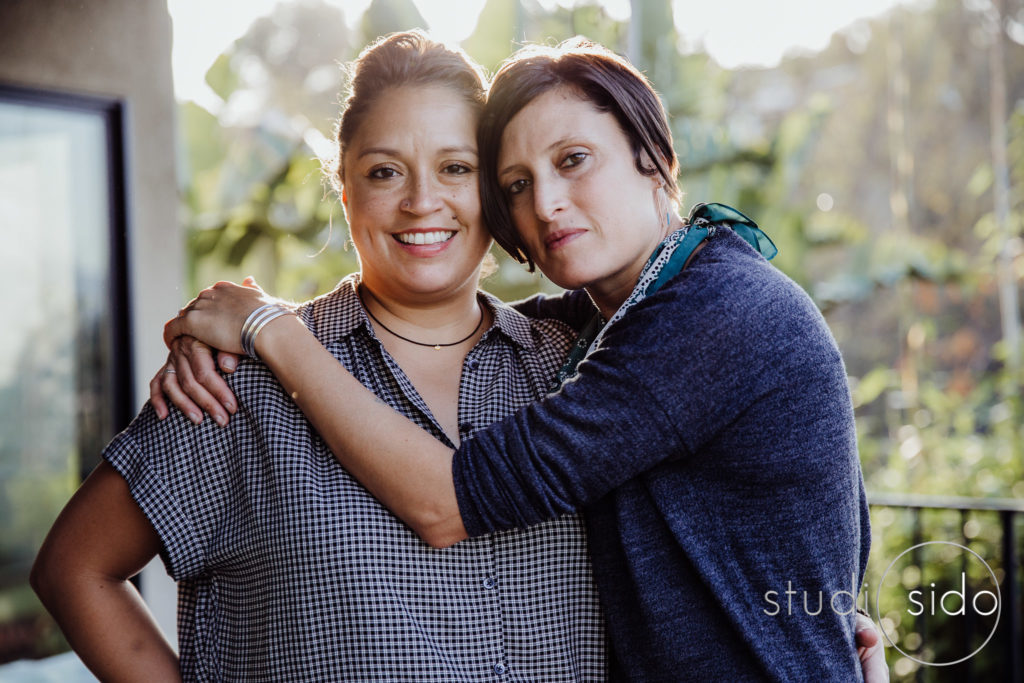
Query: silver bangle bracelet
256, 321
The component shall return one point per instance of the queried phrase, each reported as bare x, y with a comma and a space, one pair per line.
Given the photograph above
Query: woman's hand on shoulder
217, 315
205, 335
191, 381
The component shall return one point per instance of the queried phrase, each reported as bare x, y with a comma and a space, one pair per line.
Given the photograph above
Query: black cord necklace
436, 347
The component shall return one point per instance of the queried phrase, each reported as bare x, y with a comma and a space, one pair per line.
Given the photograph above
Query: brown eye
574, 159
383, 173
516, 187
458, 169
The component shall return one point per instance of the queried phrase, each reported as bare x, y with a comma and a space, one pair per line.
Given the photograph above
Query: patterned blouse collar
339, 313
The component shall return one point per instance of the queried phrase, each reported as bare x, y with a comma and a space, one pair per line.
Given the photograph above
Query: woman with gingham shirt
287, 568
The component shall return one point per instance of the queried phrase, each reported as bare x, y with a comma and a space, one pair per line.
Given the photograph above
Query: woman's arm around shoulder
100, 540
574, 307
406, 468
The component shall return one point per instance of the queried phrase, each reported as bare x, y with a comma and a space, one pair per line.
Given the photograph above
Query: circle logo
936, 601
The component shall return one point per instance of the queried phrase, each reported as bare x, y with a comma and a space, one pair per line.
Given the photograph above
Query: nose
549, 198
422, 197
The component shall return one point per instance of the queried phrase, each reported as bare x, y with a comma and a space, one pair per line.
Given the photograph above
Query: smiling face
588, 217
410, 195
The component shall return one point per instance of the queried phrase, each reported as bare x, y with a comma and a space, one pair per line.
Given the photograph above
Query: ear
647, 163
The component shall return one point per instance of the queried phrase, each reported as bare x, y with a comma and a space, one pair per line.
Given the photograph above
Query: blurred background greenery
871, 165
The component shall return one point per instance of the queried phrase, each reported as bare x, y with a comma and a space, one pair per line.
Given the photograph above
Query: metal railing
1011, 644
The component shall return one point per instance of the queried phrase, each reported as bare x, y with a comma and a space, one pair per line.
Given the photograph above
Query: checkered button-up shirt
289, 570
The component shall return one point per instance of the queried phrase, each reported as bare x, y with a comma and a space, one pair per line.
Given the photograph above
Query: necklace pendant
437, 347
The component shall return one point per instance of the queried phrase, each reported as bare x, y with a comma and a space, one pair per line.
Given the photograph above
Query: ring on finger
170, 371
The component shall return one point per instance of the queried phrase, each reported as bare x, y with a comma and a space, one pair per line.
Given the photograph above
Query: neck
431, 321
609, 300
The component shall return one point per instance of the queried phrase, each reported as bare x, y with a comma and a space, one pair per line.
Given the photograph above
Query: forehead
557, 115
417, 115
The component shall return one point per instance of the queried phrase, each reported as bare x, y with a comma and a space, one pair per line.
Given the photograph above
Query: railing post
1010, 598
923, 630
968, 621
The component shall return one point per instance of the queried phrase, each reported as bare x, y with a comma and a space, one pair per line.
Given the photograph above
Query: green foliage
221, 78
809, 148
388, 16
497, 32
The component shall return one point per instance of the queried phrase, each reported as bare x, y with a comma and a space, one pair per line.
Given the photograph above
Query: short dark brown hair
600, 77
408, 58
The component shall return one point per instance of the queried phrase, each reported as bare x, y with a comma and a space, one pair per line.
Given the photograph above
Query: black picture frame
100, 343
113, 112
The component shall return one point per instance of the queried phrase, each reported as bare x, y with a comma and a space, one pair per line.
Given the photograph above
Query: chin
566, 278
446, 281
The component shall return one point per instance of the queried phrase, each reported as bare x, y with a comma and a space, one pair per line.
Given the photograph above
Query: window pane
55, 376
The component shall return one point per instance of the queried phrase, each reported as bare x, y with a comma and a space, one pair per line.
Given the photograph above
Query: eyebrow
459, 148
389, 152
557, 143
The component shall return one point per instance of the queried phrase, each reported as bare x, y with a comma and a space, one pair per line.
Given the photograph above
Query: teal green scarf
664, 264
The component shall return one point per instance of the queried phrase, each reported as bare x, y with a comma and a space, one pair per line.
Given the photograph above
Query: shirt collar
339, 313
336, 314
510, 322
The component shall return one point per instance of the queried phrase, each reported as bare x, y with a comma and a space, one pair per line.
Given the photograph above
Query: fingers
227, 362
174, 328
156, 393
171, 387
216, 316
203, 365
870, 651
873, 665
867, 634
191, 382
199, 379
184, 323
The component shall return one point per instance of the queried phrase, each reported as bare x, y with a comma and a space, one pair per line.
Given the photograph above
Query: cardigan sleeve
573, 307
719, 352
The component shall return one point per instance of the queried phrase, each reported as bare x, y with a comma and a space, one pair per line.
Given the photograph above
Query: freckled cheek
370, 219
466, 199
378, 209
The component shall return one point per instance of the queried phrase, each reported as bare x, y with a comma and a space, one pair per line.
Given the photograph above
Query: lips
559, 238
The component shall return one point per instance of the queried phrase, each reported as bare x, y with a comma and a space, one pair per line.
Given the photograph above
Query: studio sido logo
938, 603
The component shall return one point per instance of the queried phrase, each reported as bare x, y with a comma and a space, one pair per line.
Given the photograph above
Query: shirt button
473, 364
500, 668
490, 583
466, 427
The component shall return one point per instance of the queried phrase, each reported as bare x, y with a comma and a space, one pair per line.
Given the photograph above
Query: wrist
257, 320
278, 333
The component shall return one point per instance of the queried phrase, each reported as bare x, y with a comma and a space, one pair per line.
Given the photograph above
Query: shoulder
531, 333
147, 434
334, 314
730, 295
729, 276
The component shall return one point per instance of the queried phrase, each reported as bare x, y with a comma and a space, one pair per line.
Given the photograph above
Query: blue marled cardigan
710, 441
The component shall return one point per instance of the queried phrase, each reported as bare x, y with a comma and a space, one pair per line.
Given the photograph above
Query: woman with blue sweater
703, 424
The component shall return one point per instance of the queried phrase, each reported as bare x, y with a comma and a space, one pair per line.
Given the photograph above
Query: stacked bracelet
256, 321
